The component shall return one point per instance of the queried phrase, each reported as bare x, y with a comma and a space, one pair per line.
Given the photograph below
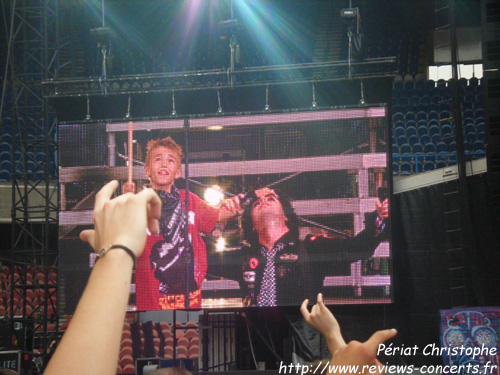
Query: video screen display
258, 210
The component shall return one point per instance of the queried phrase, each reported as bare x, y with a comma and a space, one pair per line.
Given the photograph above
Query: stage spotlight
219, 110
314, 105
174, 112
267, 107
213, 195
221, 244
87, 117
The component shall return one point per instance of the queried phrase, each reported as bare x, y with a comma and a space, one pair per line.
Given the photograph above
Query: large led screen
314, 217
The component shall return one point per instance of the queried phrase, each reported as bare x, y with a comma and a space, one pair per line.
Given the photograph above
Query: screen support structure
33, 56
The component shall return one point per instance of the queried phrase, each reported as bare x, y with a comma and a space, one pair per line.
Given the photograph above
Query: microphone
248, 199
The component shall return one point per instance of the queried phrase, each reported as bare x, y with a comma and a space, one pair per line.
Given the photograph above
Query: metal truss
218, 78
32, 58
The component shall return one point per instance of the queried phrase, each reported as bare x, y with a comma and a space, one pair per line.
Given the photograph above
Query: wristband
111, 247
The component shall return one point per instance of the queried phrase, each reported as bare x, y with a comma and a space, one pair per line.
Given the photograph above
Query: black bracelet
110, 247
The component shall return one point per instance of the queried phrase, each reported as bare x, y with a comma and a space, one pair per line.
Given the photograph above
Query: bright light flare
221, 244
214, 195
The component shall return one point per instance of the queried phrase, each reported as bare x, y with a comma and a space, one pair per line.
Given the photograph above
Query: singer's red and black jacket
202, 219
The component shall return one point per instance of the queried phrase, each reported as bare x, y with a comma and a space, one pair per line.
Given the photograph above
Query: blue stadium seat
4, 146
397, 108
413, 139
399, 131
411, 130
419, 84
398, 85
432, 115
7, 121
441, 147
414, 100
479, 112
446, 95
469, 126
435, 95
401, 141
5, 165
405, 149
429, 165
4, 175
434, 129
462, 83
398, 116
471, 137
19, 167
480, 127
421, 108
409, 85
478, 146
436, 138
445, 105
395, 167
399, 123
410, 116
418, 149
446, 131
422, 128
429, 148
5, 155
6, 128
468, 113
444, 114
421, 116
433, 121
452, 146
433, 107
424, 139
467, 147
440, 163
425, 99
430, 157
405, 168
403, 100
40, 157
6, 138
430, 84
31, 166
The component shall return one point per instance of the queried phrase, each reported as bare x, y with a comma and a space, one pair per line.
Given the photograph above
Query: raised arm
91, 343
323, 321
363, 355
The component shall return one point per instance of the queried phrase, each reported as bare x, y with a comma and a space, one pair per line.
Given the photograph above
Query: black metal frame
33, 57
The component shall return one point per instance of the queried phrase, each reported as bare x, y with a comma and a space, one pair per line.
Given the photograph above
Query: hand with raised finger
322, 319
123, 220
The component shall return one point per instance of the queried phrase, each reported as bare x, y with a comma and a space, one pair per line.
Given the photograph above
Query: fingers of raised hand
378, 338
304, 310
105, 194
88, 236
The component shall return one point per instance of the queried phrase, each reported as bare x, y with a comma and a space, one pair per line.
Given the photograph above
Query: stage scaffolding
32, 57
